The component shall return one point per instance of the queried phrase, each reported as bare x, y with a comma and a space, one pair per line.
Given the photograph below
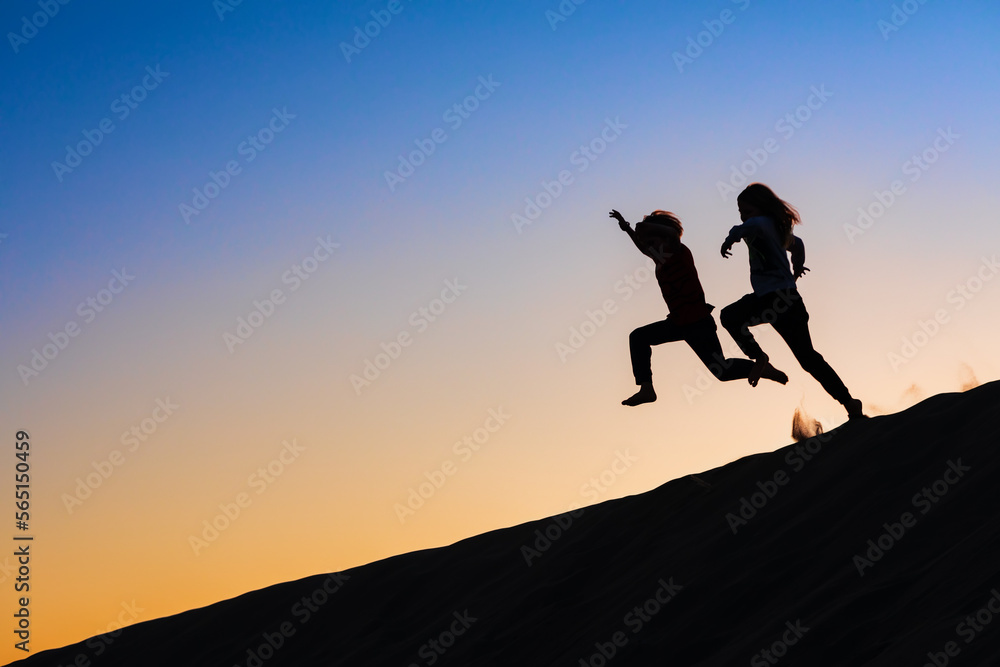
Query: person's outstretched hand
799, 271
726, 247
621, 221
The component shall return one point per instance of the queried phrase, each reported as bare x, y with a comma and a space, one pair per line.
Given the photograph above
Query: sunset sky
254, 260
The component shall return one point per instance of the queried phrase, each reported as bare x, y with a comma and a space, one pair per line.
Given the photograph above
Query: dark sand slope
787, 581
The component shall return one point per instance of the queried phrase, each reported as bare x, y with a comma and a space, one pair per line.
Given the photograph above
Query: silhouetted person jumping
690, 319
767, 231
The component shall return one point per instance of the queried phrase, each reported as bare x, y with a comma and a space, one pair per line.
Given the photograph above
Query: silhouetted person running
690, 319
767, 231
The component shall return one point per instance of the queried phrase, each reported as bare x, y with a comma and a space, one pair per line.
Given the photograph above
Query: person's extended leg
639, 343
737, 318
704, 340
793, 327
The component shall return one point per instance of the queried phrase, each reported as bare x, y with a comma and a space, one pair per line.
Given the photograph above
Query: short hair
661, 217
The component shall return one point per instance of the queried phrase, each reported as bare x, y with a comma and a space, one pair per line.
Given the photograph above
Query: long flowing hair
784, 214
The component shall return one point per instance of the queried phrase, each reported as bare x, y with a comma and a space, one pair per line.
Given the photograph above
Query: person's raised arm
798, 251
657, 242
627, 228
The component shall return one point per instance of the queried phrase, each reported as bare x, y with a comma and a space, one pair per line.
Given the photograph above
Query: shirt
681, 289
769, 268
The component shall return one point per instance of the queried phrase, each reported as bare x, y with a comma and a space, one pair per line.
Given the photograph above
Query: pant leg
737, 318
703, 338
639, 342
793, 326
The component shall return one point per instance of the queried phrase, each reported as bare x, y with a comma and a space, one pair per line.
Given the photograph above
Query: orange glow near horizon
327, 366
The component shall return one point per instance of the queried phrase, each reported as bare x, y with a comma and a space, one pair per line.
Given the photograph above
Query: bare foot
772, 373
644, 395
759, 366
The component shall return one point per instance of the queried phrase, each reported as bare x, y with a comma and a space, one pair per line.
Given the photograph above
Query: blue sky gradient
887, 95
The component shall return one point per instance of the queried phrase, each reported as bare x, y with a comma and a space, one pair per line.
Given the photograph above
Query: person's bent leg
640, 342
793, 327
737, 318
704, 340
